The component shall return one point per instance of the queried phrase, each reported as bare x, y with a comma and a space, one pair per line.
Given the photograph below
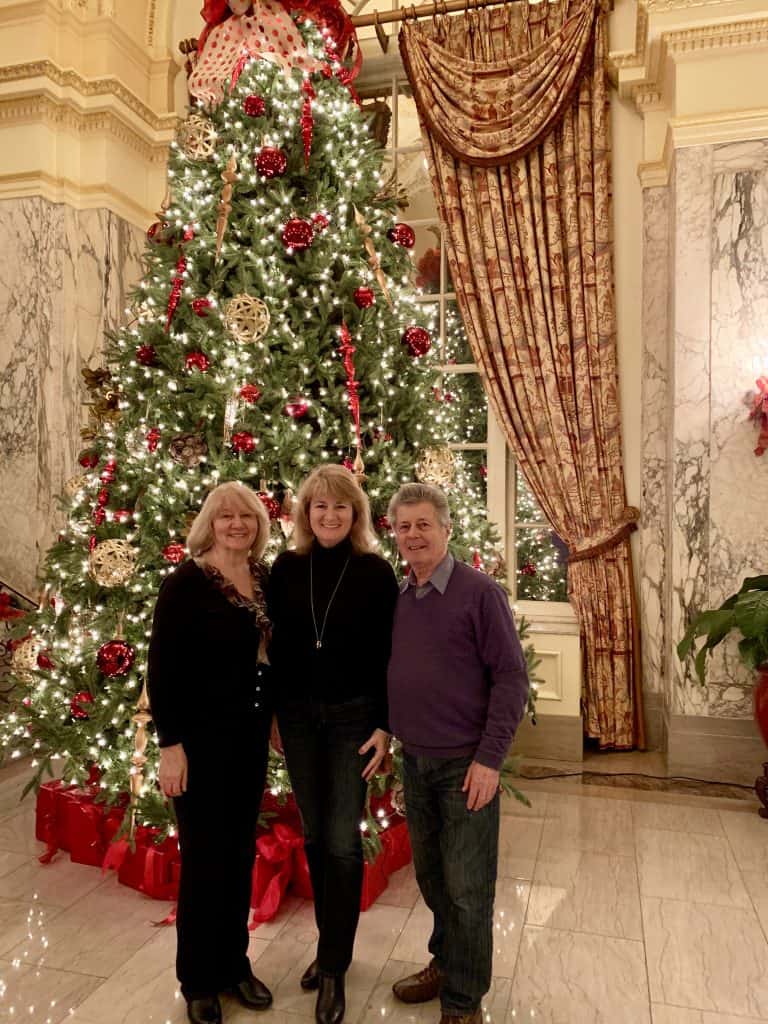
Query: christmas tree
275, 327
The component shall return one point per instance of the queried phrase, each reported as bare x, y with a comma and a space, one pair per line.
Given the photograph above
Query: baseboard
716, 749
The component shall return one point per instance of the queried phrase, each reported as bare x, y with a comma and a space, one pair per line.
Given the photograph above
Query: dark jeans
321, 743
455, 854
217, 819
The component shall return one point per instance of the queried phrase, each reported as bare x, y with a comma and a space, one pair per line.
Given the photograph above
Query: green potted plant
745, 612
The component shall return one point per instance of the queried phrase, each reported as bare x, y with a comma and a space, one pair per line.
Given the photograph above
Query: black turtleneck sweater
352, 661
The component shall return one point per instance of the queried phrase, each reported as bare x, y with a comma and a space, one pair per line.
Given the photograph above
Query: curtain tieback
591, 547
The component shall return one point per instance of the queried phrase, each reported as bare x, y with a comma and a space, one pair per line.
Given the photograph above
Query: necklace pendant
318, 644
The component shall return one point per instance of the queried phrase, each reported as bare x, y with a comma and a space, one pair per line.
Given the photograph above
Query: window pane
542, 572
456, 344
413, 179
476, 473
427, 257
408, 131
464, 395
378, 111
527, 509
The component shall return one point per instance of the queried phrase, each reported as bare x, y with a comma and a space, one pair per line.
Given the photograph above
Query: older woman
212, 717
331, 603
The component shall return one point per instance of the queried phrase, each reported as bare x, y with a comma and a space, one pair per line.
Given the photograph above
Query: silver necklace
319, 634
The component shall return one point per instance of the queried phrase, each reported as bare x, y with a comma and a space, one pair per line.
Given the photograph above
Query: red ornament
364, 297
92, 542
108, 473
88, 460
347, 463
122, 515
76, 704
99, 515
271, 504
243, 442
146, 355
188, 235
298, 234
201, 306
529, 569
8, 610
319, 221
197, 361
296, 407
174, 553
477, 562
156, 232
254, 106
307, 120
383, 524
249, 393
102, 497
484, 472
176, 286
153, 437
271, 162
402, 234
43, 661
115, 658
417, 340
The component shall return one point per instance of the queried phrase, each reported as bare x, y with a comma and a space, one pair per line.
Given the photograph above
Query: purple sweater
457, 678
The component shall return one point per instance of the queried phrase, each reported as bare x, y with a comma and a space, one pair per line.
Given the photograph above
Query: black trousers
217, 819
321, 743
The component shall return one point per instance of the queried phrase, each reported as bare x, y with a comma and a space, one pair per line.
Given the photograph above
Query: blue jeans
455, 854
321, 743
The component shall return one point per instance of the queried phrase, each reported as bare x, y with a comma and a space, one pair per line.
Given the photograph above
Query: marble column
64, 279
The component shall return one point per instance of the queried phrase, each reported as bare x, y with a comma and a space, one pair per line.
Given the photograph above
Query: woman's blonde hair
338, 483
200, 536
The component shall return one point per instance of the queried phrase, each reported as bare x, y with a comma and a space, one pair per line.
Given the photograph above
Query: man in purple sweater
458, 687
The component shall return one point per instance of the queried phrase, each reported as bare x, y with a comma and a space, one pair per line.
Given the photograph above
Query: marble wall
705, 328
63, 281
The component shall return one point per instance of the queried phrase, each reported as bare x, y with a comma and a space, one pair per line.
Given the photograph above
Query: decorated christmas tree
275, 327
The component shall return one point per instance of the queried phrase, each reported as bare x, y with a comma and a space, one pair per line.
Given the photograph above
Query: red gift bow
759, 413
213, 13
276, 850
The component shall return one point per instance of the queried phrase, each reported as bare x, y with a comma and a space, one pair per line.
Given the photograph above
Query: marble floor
613, 906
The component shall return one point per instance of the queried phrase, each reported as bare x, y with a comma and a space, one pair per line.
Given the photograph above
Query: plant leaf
755, 583
751, 614
713, 624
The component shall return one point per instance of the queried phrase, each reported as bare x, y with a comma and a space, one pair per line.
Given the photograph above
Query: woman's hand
378, 741
275, 739
173, 770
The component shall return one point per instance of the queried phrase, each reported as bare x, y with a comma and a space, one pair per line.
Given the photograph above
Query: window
530, 545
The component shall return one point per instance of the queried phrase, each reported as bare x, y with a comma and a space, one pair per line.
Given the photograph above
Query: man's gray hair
415, 494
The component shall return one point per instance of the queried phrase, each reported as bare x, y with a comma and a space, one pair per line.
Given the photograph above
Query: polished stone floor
614, 906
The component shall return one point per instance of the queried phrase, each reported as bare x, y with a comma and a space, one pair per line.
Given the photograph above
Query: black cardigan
203, 661
356, 643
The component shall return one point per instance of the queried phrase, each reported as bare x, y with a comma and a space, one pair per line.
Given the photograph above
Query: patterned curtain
513, 107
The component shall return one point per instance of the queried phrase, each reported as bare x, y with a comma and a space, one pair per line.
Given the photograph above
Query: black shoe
252, 993
330, 999
309, 979
204, 1010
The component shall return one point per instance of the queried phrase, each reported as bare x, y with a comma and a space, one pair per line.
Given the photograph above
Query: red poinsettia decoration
8, 610
759, 413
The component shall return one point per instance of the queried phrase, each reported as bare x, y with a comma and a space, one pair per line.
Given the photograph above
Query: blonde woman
212, 716
331, 602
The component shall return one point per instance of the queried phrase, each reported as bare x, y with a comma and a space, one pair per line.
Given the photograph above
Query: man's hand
275, 740
482, 785
173, 770
378, 741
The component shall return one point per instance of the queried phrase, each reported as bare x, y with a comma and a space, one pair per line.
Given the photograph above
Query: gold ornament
75, 484
188, 450
229, 177
436, 466
112, 562
197, 137
373, 258
24, 657
398, 798
246, 318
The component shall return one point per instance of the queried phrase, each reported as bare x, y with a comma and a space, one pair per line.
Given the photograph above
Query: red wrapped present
50, 823
84, 828
301, 883
148, 866
374, 882
273, 811
396, 844
272, 870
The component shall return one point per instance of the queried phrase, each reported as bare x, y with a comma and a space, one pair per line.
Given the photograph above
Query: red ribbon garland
347, 350
307, 121
175, 296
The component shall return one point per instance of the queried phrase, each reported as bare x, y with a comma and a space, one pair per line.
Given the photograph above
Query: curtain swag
487, 114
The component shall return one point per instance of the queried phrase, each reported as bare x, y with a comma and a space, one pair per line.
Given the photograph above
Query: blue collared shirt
437, 581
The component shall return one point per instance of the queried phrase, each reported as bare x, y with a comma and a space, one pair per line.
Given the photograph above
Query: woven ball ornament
188, 450
271, 504
250, 394
112, 562
115, 658
242, 441
74, 485
364, 297
76, 708
403, 235
174, 553
436, 466
254, 106
24, 655
197, 137
417, 341
197, 361
246, 318
298, 234
270, 162
296, 407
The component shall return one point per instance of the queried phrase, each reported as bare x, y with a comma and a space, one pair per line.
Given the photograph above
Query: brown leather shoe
465, 1018
420, 987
